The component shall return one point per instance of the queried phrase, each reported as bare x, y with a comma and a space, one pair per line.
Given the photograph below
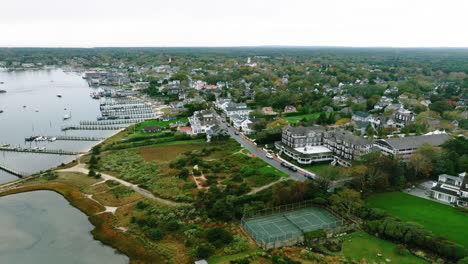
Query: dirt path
82, 168
256, 190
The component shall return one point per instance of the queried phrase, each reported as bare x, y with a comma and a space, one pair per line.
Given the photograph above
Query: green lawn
294, 119
162, 124
317, 168
273, 170
361, 245
441, 219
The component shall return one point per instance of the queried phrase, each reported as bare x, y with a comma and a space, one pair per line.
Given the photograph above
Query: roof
304, 130
439, 188
349, 137
152, 128
415, 142
201, 262
185, 129
361, 114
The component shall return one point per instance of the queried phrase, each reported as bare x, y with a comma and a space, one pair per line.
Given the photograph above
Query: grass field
167, 152
294, 119
361, 245
441, 219
162, 124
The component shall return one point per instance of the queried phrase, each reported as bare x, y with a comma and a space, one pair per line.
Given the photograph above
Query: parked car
284, 164
293, 168
236, 133
268, 155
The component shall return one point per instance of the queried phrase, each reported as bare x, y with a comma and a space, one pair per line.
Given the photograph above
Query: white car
268, 155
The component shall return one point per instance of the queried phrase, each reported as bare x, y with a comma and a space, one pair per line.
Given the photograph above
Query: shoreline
103, 230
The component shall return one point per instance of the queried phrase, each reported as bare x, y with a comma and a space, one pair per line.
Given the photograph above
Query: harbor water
35, 103
41, 227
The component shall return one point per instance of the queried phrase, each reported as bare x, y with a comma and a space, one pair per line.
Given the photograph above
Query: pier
90, 127
112, 122
127, 112
74, 138
41, 151
12, 171
124, 107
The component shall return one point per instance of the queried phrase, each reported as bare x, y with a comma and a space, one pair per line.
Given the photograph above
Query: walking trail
82, 168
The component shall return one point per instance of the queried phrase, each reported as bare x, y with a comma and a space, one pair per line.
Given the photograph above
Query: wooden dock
12, 171
90, 127
112, 122
73, 138
41, 151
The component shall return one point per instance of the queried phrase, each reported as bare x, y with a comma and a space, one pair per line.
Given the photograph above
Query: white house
202, 121
240, 109
451, 189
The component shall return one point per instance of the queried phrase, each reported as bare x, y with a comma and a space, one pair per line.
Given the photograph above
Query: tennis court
290, 224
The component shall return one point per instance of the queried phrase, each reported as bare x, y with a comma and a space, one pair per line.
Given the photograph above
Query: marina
41, 150
43, 121
54, 138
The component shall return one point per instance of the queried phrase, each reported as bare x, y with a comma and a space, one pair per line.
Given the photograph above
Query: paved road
260, 152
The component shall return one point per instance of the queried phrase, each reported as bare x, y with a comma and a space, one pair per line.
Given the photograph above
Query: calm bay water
42, 228
28, 91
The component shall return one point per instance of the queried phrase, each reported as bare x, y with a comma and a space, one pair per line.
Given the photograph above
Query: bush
156, 234
219, 236
319, 201
305, 254
141, 205
172, 225
204, 251
239, 244
401, 250
92, 173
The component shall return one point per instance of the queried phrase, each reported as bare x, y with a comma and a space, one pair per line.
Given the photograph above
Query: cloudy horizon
210, 23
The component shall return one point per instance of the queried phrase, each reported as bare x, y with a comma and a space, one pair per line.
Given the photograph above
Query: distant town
267, 155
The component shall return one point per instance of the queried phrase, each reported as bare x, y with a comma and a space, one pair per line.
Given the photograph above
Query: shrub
401, 250
172, 225
319, 201
156, 234
218, 236
141, 205
238, 245
204, 251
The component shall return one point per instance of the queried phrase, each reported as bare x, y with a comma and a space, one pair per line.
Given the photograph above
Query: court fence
267, 241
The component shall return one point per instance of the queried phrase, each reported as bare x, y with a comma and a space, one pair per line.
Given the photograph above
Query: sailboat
67, 116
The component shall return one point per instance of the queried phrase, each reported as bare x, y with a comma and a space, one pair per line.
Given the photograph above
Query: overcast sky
91, 23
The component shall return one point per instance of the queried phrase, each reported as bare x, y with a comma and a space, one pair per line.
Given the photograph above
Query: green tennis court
289, 224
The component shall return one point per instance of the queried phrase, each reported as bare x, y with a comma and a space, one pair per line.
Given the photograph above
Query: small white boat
66, 117
52, 139
42, 149
37, 110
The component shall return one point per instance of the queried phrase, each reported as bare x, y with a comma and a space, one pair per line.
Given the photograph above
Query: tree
441, 106
184, 173
346, 201
219, 236
204, 251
